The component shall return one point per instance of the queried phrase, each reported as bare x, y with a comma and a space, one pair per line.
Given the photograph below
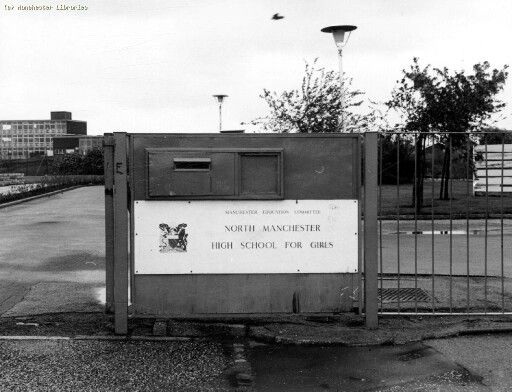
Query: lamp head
220, 97
339, 33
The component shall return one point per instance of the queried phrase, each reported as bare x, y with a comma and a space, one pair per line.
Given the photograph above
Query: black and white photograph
255, 195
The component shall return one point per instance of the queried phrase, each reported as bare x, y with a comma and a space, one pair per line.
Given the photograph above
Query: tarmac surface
52, 257
412, 367
468, 252
490, 356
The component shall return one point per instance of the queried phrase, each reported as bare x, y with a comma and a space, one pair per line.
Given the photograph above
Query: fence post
370, 229
108, 170
120, 234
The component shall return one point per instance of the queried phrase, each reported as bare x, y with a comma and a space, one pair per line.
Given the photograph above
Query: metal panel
190, 173
323, 166
314, 166
260, 174
244, 293
245, 236
201, 173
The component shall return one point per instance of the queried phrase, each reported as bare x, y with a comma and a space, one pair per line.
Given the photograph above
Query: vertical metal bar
501, 222
398, 216
131, 207
451, 226
380, 139
467, 220
357, 147
120, 234
415, 190
108, 171
432, 156
370, 230
486, 223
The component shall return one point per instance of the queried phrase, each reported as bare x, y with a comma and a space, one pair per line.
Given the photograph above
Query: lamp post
220, 99
340, 39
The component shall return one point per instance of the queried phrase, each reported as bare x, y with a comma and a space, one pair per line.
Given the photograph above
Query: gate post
120, 234
108, 171
370, 229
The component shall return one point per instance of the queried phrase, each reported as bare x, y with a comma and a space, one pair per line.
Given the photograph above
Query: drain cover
406, 294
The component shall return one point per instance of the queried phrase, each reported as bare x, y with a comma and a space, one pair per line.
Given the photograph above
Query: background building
21, 139
69, 144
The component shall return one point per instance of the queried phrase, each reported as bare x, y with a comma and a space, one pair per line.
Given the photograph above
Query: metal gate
444, 223
233, 193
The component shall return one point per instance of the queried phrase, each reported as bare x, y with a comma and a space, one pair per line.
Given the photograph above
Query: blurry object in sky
277, 16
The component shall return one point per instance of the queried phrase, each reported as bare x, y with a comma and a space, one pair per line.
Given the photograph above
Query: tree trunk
447, 194
419, 158
445, 175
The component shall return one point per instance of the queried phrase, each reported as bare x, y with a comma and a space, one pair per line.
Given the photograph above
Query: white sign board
245, 236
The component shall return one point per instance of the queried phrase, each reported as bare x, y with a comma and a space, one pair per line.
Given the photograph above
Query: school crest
173, 239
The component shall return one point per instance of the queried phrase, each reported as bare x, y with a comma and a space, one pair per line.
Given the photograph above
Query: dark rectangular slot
195, 164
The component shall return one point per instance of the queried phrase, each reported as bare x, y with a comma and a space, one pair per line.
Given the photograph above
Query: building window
6, 127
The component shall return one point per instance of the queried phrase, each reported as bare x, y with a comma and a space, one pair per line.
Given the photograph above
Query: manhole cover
406, 294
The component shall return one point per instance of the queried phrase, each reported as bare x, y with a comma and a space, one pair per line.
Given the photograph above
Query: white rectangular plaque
245, 236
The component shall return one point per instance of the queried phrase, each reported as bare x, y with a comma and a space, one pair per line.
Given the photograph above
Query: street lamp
220, 99
340, 39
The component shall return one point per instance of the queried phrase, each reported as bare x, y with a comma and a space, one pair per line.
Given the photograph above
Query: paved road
53, 248
441, 249
412, 367
489, 356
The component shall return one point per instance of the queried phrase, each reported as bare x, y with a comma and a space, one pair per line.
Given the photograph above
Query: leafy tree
316, 106
388, 157
93, 162
68, 164
448, 103
76, 163
493, 135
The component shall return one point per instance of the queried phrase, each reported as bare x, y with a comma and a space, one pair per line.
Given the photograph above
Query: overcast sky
153, 65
